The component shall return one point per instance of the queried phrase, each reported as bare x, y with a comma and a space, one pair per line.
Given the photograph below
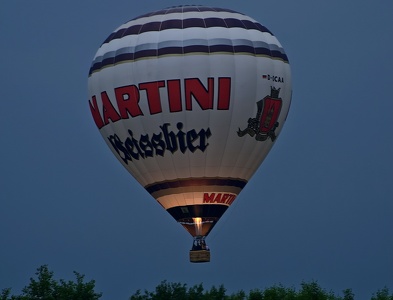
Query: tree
216, 294
312, 291
278, 292
43, 288
348, 294
382, 295
47, 288
195, 292
5, 294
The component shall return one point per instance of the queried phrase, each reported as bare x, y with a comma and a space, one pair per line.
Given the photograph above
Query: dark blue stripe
193, 22
196, 49
108, 61
195, 182
222, 48
124, 57
188, 50
170, 50
133, 30
186, 23
265, 51
280, 55
152, 26
145, 53
171, 24
245, 49
214, 22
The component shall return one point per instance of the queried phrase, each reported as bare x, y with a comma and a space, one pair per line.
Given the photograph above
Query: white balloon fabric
190, 99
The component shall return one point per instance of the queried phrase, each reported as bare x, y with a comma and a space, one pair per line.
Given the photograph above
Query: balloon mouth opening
198, 219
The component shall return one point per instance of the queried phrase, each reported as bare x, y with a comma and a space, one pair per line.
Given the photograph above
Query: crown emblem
265, 123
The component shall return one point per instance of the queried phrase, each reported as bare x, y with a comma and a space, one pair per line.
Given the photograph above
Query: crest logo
264, 124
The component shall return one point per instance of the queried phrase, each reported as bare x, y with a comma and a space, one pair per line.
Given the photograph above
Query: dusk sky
320, 207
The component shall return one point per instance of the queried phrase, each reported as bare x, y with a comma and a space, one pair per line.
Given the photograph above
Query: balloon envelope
190, 100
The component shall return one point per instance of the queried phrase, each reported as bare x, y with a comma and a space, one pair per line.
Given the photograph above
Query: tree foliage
45, 287
308, 291
382, 295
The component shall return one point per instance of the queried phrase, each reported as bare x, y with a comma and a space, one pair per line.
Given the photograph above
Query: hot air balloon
190, 99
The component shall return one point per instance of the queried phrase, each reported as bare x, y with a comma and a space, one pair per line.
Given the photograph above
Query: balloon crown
274, 92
